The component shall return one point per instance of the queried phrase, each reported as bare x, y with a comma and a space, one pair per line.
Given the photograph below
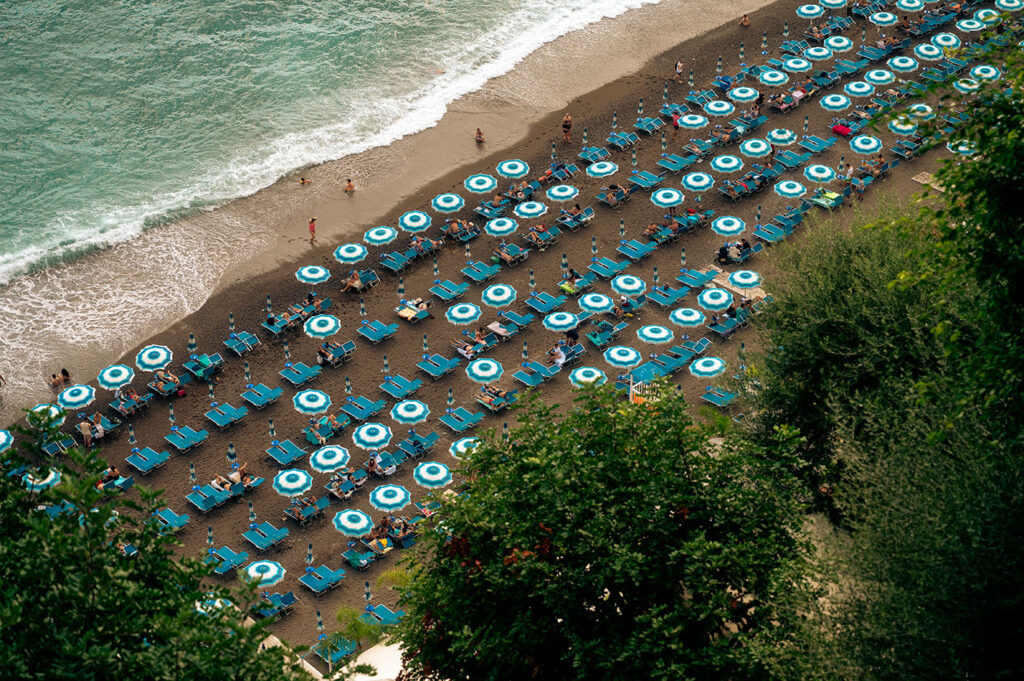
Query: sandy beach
259, 241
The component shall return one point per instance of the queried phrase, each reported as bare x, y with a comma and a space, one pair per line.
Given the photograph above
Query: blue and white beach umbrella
513, 168
480, 183
447, 203
76, 397
628, 285
833, 4
910, 5
719, 107
501, 226
797, 65
352, 523
790, 189
583, 377
498, 295
859, 88
903, 64
378, 236
986, 72
728, 225
687, 317
883, 19
328, 459
623, 357
742, 94
928, 52
969, 25
312, 274
697, 182
755, 148
530, 209
292, 482
782, 136
654, 334
462, 313
818, 53
810, 11
463, 446
602, 169
989, 17
349, 254
838, 43
153, 357
264, 572
947, 41
922, 112
410, 412
560, 322
745, 279
835, 102
321, 326
115, 376
726, 163
1009, 5
371, 436
772, 78
311, 402
598, 303
707, 367
819, 173
666, 197
903, 125
879, 77
432, 475
390, 498
866, 144
414, 221
562, 192
963, 147
484, 370
714, 299
37, 482
6, 440
966, 85
692, 121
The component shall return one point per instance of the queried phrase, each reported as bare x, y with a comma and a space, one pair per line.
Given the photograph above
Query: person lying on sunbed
401, 529
815, 33
651, 229
165, 377
721, 135
557, 355
533, 235
242, 475
502, 251
780, 103
489, 393
497, 328
735, 188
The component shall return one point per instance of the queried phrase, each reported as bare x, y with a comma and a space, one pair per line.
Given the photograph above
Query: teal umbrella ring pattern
598, 303
329, 459
484, 370
265, 572
946, 41
432, 475
37, 483
153, 357
902, 125
866, 144
790, 189
667, 197
447, 203
810, 11
480, 183
687, 317
928, 52
371, 436
76, 397
513, 168
352, 523
692, 121
859, 88
745, 279
311, 402
583, 377
560, 322
986, 72
903, 64
697, 182
463, 446
655, 334
819, 173
115, 376
726, 163
883, 19
966, 85
498, 295
380, 236
602, 169
755, 148
714, 299
293, 482
414, 221
321, 326
727, 225
390, 498
501, 226
530, 209
312, 274
742, 94
838, 43
719, 107
782, 137
707, 367
349, 254
462, 313
628, 285
818, 53
48, 412
623, 357
6, 440
562, 192
835, 102
410, 412
772, 78
880, 77
797, 65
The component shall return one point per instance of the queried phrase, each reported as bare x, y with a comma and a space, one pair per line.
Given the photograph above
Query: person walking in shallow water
567, 128
312, 230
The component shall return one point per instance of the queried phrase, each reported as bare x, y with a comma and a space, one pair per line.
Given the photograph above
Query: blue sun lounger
695, 278
376, 331
184, 438
321, 579
394, 262
265, 536
605, 332
304, 515
448, 291
634, 250
126, 407
675, 163
410, 312
437, 365
461, 419
223, 415
339, 355
532, 374
480, 272
666, 296
169, 521
241, 342
333, 650
606, 268
225, 560
772, 234
816, 145
360, 560
168, 388
61, 445
207, 497
573, 354
520, 320
299, 374
260, 395
544, 303
621, 140
382, 615
145, 460
417, 445
648, 126
275, 605
120, 484
668, 110
593, 154
284, 452
361, 408
203, 367
497, 404
645, 179
320, 429
582, 286
399, 387
564, 172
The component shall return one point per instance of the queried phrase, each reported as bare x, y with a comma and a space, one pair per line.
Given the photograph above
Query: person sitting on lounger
815, 33
332, 421
464, 348
402, 529
242, 475
165, 377
575, 210
651, 229
373, 469
721, 135
557, 355
612, 194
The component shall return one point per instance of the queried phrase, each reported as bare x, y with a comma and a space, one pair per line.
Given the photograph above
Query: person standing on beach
567, 128
679, 71
312, 230
745, 21
675, 125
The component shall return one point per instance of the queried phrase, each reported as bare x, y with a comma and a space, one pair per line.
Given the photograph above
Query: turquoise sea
119, 115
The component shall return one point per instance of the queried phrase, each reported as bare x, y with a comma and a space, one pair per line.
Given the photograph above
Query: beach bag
841, 130
181, 392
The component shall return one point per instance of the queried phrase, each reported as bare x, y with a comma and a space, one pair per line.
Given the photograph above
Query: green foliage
612, 542
74, 605
355, 628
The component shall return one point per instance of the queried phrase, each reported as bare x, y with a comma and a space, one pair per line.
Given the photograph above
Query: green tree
615, 541
74, 606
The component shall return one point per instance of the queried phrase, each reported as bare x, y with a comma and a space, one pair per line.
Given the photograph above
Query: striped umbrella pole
348, 386
584, 136
682, 256
209, 535
664, 92
593, 245
565, 263
425, 347
741, 50
192, 342
863, 33
533, 282
842, 160
742, 354
622, 227
170, 412
757, 218
248, 372
691, 77
252, 513
436, 271
554, 154
615, 119
309, 554
366, 591
231, 322
640, 107
468, 254
387, 367
131, 433
271, 429
764, 41
664, 142
718, 67
654, 277
451, 398
210, 387
362, 306
192, 472
319, 625
634, 157
287, 350
526, 351
504, 431
401, 287
805, 123
785, 29
232, 455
